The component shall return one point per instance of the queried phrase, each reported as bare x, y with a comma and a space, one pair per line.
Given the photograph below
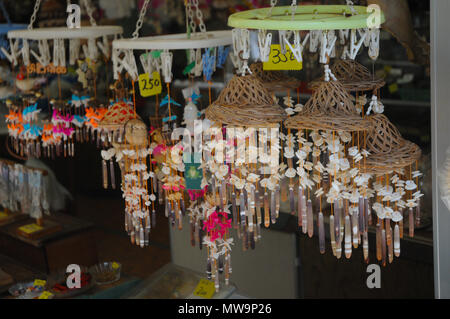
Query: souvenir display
67, 121
336, 143
330, 160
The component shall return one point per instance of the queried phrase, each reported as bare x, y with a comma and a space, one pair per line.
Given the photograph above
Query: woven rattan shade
331, 98
384, 137
388, 149
329, 108
274, 80
245, 102
353, 76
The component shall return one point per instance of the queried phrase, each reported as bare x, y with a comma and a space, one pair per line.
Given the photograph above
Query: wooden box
73, 243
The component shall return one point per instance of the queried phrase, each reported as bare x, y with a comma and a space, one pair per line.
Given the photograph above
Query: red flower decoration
196, 194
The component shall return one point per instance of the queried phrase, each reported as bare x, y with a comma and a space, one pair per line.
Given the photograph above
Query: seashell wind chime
388, 165
68, 120
138, 218
122, 129
329, 158
112, 130
217, 240
251, 122
166, 156
24, 127
333, 143
243, 115
393, 162
123, 137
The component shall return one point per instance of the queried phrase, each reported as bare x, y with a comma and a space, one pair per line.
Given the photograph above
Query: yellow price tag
393, 88
280, 61
31, 228
115, 265
39, 283
45, 295
150, 86
205, 289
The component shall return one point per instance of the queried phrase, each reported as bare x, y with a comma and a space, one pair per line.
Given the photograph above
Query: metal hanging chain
141, 19
90, 11
190, 16
199, 15
37, 5
4, 12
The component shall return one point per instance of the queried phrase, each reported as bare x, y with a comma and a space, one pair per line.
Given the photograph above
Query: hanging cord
188, 31
134, 98
4, 12
168, 99
209, 92
141, 19
37, 5
328, 74
90, 11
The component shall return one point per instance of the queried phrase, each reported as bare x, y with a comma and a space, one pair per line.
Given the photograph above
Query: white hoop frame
65, 33
180, 41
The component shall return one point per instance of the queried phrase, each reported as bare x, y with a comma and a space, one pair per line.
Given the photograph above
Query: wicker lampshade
330, 108
353, 76
389, 150
245, 102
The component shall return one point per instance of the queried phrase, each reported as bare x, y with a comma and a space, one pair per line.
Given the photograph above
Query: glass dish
106, 272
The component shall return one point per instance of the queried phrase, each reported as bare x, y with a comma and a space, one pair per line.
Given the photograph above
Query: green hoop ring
307, 17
